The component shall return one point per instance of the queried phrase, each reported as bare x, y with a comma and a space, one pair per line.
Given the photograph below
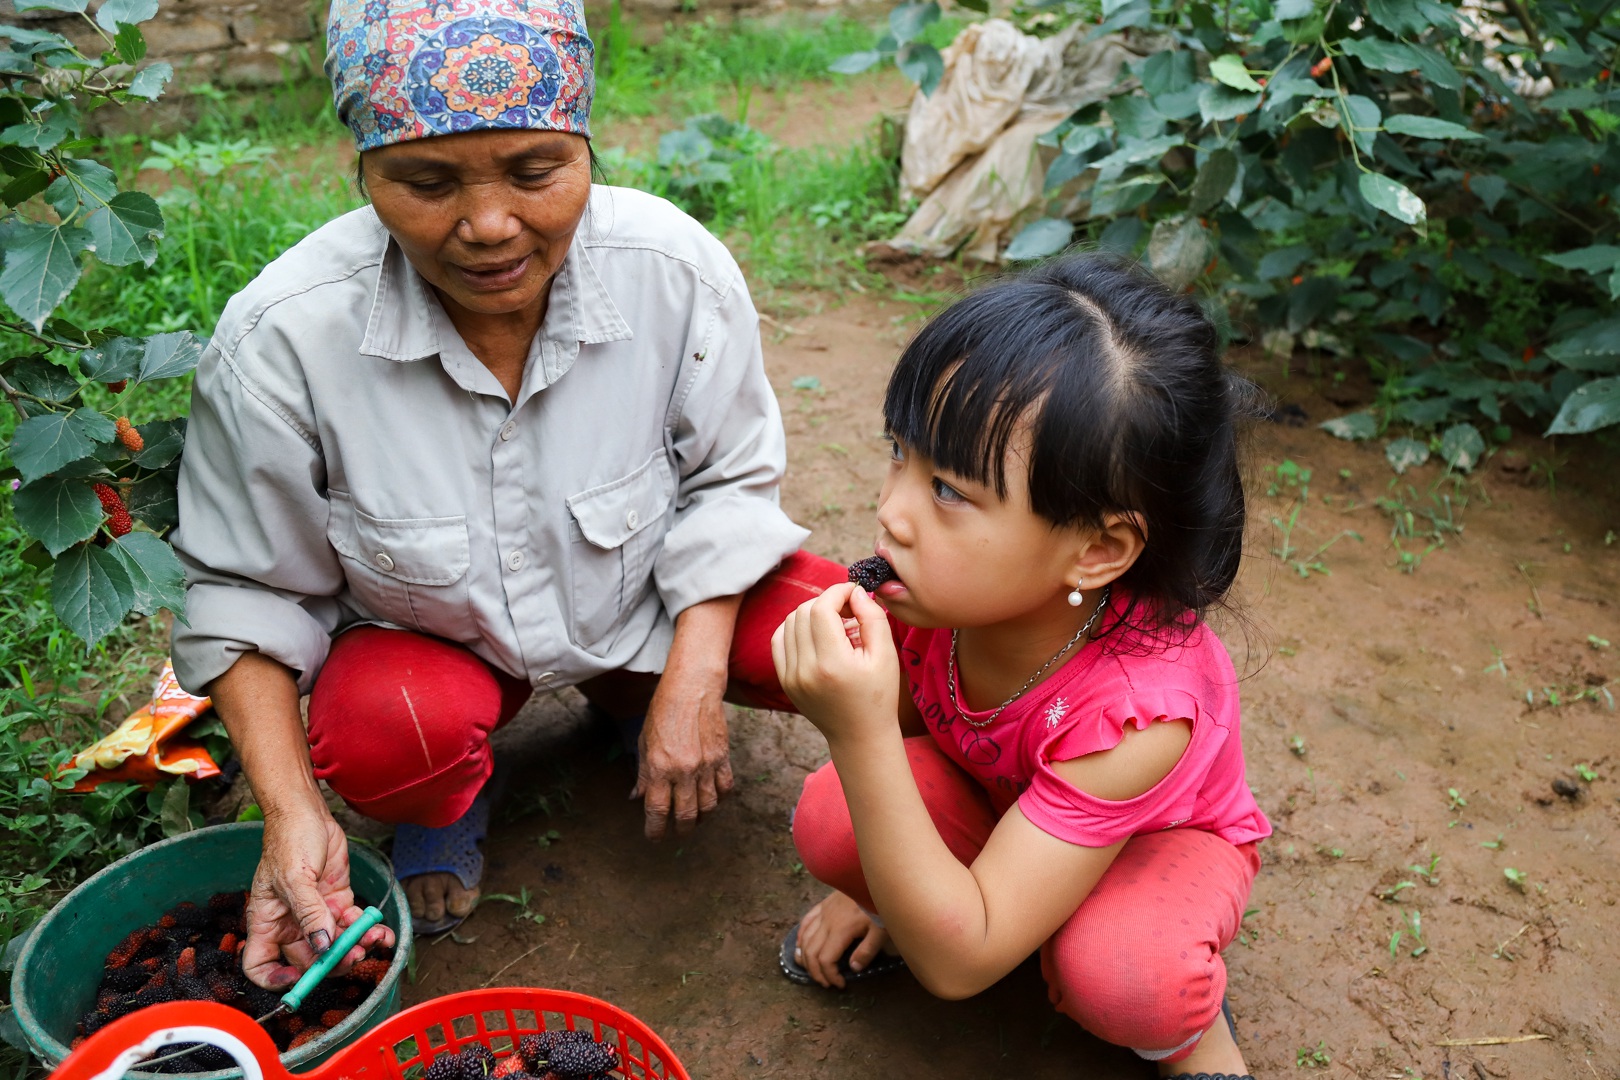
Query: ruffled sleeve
1062, 810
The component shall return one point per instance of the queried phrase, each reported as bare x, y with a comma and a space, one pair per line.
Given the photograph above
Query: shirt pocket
407, 571
617, 531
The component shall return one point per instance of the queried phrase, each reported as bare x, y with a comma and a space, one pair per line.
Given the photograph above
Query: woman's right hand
300, 899
829, 928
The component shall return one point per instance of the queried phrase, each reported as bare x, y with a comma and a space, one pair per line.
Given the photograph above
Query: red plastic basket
399, 1048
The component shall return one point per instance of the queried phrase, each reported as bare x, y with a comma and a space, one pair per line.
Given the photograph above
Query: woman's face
485, 216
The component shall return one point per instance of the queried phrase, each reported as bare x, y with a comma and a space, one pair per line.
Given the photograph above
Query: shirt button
507, 430
514, 561
383, 561
631, 519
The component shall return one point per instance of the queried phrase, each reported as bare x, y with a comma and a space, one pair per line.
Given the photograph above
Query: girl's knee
823, 832
1154, 1001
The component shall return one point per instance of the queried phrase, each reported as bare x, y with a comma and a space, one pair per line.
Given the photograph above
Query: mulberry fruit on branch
118, 520
129, 436
871, 572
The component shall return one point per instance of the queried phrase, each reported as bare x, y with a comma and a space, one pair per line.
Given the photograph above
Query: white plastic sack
970, 152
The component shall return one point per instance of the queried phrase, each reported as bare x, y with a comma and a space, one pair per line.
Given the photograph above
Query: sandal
882, 964
1226, 1011
452, 849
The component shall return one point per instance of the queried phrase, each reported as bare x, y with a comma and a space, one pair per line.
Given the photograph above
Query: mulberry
186, 962
510, 1066
577, 1060
129, 436
445, 1067
871, 572
227, 944
190, 916
308, 1034
331, 1018
550, 1040
124, 979
533, 1051
125, 951
371, 971
191, 988
118, 387
477, 1061
227, 902
259, 1000
1320, 68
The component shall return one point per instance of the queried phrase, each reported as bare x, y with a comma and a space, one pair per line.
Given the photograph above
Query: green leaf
58, 513
152, 500
854, 63
1490, 189
175, 816
1354, 427
1283, 262
1399, 17
1574, 97
1599, 341
150, 81
1135, 117
1083, 139
908, 20
1288, 10
70, 6
1436, 69
1393, 198
91, 592
1588, 408
163, 440
99, 181
1214, 180
1462, 446
43, 444
1041, 238
1230, 71
37, 376
63, 196
1597, 259
1137, 152
169, 355
114, 13
1428, 127
1178, 250
1382, 55
45, 131
127, 229
1217, 102
1364, 120
130, 43
156, 577
42, 266
1284, 89
922, 64
112, 360
1403, 454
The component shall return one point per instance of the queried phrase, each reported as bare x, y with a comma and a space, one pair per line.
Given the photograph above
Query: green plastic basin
56, 976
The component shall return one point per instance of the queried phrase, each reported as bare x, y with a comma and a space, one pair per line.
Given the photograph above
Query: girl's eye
896, 452
944, 492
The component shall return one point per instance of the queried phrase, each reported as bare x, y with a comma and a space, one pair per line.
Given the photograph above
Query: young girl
1041, 750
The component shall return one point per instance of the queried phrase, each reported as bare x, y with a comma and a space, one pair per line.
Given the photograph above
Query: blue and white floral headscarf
409, 69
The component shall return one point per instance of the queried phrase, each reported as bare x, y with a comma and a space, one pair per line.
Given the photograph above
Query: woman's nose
487, 221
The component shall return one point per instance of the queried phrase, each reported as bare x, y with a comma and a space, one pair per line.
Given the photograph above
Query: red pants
1139, 964
399, 722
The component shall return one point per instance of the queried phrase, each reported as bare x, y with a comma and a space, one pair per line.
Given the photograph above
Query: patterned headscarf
411, 69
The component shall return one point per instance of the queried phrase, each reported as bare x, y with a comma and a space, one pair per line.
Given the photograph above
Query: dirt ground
1388, 736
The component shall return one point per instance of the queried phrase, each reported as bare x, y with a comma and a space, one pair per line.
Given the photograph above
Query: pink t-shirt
1083, 708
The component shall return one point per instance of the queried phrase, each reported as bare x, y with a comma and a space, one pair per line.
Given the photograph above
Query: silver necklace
950, 669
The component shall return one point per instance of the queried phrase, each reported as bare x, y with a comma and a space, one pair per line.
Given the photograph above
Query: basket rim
50, 1050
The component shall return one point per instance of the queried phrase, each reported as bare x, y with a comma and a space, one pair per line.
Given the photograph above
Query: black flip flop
882, 964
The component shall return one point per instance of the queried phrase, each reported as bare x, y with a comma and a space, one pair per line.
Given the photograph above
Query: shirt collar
402, 325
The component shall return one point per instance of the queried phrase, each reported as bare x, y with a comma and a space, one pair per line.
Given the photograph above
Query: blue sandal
452, 849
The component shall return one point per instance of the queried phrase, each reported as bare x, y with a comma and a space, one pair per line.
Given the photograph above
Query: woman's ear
1111, 550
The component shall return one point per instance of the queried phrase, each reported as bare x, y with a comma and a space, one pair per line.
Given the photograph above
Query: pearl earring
1075, 599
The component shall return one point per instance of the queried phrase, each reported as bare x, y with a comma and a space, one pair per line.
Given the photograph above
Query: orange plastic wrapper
148, 746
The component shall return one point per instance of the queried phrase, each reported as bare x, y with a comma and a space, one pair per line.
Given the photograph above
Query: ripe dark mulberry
871, 572
118, 387
445, 1067
577, 1060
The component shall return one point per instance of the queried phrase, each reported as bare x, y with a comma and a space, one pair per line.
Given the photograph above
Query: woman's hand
844, 679
685, 766
300, 900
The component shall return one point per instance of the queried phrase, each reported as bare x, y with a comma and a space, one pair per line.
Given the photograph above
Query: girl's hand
845, 682
831, 927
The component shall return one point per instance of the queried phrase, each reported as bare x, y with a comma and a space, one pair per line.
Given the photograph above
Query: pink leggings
1139, 964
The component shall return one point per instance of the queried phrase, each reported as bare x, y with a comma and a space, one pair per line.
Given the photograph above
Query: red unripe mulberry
371, 971
129, 436
1320, 68
307, 1035
186, 962
331, 1018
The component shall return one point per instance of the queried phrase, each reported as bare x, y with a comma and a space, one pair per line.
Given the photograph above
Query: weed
521, 899
1296, 746
1394, 890
1499, 665
1289, 477
547, 838
1412, 929
1429, 520
1456, 801
1595, 642
1585, 772
1330, 852
1430, 873
1516, 878
1313, 1057
1494, 845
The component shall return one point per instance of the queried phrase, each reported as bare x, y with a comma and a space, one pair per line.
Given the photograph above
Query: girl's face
965, 556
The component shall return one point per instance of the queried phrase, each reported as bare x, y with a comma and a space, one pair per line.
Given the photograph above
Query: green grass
250, 179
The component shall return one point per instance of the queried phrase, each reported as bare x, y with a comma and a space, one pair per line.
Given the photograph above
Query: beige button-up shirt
349, 460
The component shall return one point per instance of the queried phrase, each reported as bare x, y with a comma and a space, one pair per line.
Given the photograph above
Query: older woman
500, 430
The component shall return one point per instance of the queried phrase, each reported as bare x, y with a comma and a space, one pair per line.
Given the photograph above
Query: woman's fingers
686, 805
657, 797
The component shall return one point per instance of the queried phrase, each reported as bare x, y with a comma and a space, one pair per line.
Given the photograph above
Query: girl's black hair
1129, 410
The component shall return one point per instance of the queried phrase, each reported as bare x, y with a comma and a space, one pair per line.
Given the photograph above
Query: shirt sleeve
729, 447
260, 573
1062, 810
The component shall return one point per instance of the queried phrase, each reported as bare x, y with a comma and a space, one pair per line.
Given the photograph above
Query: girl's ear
1111, 550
